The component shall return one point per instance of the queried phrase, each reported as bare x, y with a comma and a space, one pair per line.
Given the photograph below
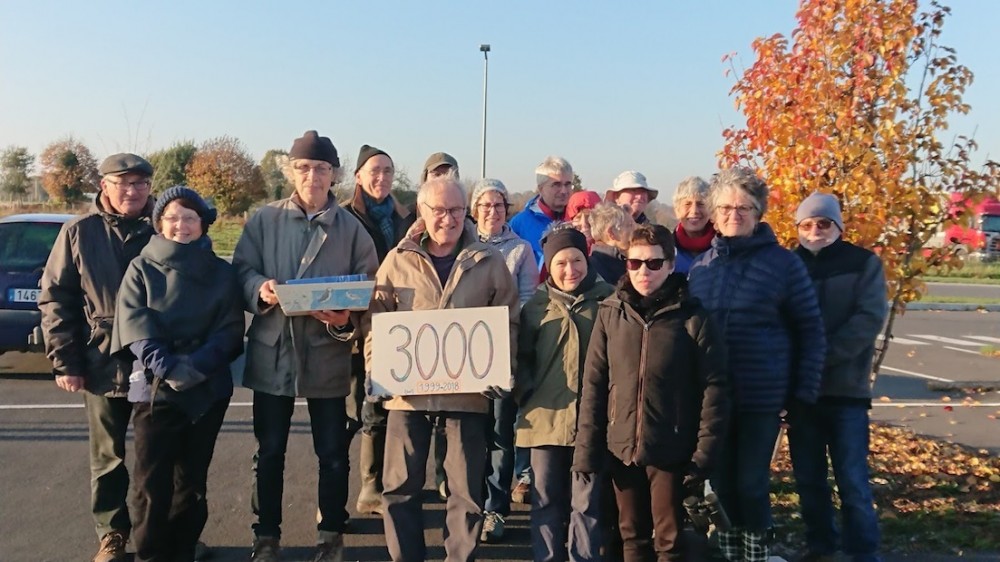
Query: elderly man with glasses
306, 235
554, 178
79, 291
448, 267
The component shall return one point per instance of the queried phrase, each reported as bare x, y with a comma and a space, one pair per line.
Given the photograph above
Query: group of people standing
645, 361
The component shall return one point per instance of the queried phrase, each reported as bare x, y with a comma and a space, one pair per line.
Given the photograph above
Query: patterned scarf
381, 213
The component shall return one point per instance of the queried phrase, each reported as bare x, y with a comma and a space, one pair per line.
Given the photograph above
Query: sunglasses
654, 264
821, 224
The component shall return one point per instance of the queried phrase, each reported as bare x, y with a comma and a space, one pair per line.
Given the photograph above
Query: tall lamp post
485, 48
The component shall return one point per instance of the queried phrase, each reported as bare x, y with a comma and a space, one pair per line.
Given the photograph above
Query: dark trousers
649, 499
172, 456
107, 423
565, 508
407, 446
272, 418
501, 456
743, 478
842, 431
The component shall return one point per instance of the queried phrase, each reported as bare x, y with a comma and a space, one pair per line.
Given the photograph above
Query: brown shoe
521, 492
330, 551
266, 549
112, 547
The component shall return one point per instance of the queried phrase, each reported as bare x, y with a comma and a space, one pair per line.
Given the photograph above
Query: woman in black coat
179, 319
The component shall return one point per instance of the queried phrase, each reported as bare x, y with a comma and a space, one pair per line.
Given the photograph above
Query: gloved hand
495, 392
184, 376
370, 396
694, 481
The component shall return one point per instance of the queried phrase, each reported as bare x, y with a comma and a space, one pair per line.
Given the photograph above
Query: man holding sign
448, 268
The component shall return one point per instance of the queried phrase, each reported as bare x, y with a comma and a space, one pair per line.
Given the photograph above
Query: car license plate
23, 295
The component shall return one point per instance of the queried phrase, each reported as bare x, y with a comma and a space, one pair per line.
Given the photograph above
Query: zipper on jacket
639, 405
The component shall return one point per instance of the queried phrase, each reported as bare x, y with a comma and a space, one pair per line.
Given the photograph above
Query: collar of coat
194, 260
762, 235
324, 215
672, 295
358, 204
102, 207
472, 249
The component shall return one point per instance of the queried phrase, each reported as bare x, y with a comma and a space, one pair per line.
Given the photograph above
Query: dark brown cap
125, 163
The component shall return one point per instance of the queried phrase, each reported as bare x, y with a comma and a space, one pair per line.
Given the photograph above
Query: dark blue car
25, 243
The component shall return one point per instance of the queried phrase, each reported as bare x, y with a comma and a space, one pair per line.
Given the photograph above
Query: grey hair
739, 179
286, 164
691, 187
444, 181
552, 166
608, 216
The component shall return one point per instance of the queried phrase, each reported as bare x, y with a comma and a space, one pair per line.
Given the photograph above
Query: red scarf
695, 244
549, 212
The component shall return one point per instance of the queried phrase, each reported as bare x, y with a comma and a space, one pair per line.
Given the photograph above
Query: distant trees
15, 170
170, 165
223, 170
276, 184
68, 170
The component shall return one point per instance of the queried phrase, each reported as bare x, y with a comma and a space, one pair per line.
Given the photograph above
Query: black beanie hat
367, 152
311, 146
207, 214
561, 239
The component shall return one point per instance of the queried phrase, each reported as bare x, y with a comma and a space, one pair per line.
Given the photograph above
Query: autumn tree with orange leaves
857, 104
223, 170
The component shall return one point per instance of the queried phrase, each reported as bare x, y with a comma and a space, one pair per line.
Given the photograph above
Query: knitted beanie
311, 146
207, 214
820, 205
367, 152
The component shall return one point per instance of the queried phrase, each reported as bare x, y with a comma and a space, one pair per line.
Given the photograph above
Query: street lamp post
485, 48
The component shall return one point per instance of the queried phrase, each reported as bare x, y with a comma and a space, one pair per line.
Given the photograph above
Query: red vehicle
978, 231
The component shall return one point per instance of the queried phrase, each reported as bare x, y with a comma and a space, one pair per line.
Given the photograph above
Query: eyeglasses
562, 184
440, 212
654, 264
376, 172
487, 207
743, 210
820, 224
319, 169
174, 219
138, 185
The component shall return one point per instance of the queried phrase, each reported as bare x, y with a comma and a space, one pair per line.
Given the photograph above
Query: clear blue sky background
610, 86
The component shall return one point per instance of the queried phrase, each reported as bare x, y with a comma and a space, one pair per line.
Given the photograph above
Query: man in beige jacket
448, 268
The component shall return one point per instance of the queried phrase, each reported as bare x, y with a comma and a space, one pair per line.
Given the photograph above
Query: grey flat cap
124, 163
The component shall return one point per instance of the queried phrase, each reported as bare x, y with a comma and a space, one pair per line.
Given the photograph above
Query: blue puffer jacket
530, 224
763, 299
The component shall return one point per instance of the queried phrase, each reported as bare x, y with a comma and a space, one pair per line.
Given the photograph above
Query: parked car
25, 243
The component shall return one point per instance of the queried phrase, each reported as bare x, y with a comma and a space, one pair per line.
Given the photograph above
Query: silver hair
552, 166
429, 185
285, 163
739, 179
608, 216
691, 187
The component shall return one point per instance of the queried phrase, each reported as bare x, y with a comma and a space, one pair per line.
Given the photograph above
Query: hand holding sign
441, 351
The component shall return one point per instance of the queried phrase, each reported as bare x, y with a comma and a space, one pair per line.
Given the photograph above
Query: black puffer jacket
655, 384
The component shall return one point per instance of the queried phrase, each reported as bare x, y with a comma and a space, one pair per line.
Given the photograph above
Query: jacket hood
505, 235
761, 236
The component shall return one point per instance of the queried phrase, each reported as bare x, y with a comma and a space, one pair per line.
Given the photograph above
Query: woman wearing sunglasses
555, 329
763, 299
654, 396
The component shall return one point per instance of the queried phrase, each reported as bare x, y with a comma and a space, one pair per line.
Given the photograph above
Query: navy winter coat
762, 298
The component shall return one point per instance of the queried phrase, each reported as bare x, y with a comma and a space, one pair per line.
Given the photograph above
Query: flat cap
435, 161
124, 163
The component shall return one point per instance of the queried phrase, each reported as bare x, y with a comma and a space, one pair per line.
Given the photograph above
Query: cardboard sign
440, 351
301, 298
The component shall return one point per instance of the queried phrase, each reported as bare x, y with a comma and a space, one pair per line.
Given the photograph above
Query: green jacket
555, 332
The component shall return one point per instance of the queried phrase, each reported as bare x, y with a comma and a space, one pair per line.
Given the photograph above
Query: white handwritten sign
440, 351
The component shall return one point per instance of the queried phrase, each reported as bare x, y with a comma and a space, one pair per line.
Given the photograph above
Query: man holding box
304, 236
448, 268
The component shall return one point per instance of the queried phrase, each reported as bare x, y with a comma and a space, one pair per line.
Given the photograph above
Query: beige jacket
407, 281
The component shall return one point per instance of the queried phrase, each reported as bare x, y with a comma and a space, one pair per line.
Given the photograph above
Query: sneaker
521, 492
330, 551
112, 547
266, 549
493, 527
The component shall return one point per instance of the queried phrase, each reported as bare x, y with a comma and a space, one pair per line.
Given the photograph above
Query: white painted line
904, 341
934, 404
943, 339
918, 375
984, 338
972, 351
75, 406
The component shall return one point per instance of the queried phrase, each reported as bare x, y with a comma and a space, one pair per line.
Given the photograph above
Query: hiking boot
330, 551
112, 547
521, 492
266, 549
493, 527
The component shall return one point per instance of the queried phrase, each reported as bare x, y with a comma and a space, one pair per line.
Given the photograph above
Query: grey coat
298, 356
520, 260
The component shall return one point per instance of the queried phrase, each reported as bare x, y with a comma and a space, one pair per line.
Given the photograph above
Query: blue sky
609, 86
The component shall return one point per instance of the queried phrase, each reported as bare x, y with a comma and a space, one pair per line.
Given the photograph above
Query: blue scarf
381, 213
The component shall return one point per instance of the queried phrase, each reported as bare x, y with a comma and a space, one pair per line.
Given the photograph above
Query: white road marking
984, 338
943, 339
918, 375
904, 341
972, 351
